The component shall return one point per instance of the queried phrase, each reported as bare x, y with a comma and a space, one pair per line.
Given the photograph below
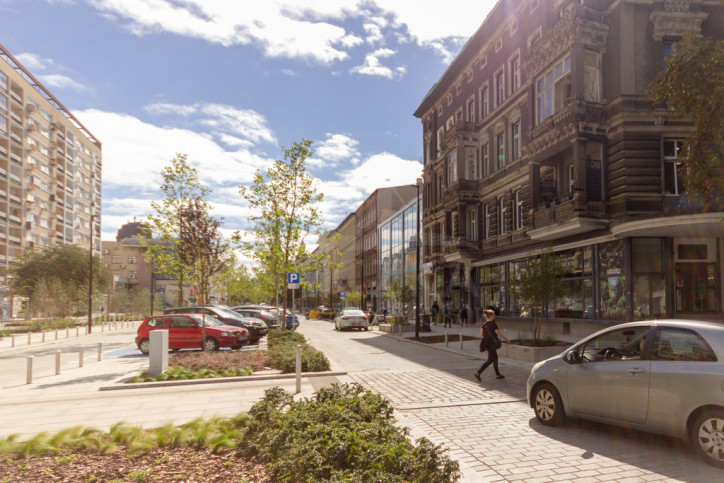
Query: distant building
540, 134
50, 172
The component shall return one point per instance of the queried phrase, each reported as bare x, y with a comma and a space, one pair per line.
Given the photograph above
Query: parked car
269, 319
351, 319
316, 312
257, 329
185, 332
662, 376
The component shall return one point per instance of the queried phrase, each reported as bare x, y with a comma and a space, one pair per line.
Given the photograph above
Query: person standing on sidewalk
463, 316
447, 315
488, 332
435, 310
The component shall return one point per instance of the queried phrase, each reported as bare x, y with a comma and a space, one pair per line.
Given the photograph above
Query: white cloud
372, 65
61, 82
304, 30
335, 150
34, 62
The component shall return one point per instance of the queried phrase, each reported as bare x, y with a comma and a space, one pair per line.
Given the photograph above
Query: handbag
494, 336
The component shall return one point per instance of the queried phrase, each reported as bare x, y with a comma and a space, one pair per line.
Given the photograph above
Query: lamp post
418, 183
90, 275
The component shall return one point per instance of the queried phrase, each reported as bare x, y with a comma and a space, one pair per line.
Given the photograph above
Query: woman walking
488, 332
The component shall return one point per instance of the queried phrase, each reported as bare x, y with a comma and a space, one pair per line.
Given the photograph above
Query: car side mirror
573, 357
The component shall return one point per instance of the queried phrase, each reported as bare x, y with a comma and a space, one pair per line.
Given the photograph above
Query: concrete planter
395, 328
529, 354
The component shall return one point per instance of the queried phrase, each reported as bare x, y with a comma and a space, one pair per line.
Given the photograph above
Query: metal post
80, 357
56, 334
57, 363
445, 339
29, 334
461, 341
43, 338
299, 368
12, 340
90, 274
67, 332
100, 350
29, 373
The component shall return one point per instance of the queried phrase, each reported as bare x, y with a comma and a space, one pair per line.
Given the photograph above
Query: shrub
344, 433
283, 353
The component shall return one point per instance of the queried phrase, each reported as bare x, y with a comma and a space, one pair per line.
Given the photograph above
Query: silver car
662, 376
351, 318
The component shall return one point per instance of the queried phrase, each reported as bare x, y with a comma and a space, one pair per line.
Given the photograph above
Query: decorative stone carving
676, 20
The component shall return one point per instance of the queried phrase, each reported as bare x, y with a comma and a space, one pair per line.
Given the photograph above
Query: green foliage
344, 433
283, 353
537, 284
177, 373
693, 86
56, 279
353, 298
400, 293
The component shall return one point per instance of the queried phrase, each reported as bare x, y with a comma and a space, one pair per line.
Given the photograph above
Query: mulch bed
177, 465
437, 339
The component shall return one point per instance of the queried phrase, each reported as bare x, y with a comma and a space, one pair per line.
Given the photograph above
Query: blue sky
228, 82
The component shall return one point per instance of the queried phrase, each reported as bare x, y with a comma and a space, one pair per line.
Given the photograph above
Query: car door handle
635, 370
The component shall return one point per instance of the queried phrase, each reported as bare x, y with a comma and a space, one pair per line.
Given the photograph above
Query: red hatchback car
184, 332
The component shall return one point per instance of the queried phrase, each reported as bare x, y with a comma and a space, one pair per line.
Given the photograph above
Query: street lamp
418, 183
90, 275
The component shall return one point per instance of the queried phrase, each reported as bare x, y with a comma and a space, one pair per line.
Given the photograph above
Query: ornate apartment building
540, 135
50, 172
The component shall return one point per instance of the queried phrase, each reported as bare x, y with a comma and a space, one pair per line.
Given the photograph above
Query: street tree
283, 202
240, 284
201, 247
42, 273
537, 284
180, 186
399, 293
692, 85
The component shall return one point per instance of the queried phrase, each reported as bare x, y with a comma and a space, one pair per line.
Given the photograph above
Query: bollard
100, 349
29, 334
80, 357
56, 334
77, 331
103, 327
85, 329
461, 341
57, 363
445, 339
299, 368
67, 332
43, 339
12, 340
29, 375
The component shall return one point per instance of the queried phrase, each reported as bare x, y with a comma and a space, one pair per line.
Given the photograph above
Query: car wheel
548, 405
707, 436
144, 346
211, 345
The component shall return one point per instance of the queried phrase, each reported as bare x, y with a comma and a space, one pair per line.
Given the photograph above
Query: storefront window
492, 287
575, 299
649, 289
612, 280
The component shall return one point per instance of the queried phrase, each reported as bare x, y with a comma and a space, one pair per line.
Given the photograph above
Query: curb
216, 380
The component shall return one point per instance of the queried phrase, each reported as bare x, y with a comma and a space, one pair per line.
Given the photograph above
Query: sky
229, 82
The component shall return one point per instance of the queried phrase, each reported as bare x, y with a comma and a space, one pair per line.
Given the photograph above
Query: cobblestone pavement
488, 427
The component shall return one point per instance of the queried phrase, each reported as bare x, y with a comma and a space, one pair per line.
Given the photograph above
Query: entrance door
696, 287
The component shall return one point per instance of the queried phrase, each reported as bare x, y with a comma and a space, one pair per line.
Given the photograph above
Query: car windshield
209, 320
226, 312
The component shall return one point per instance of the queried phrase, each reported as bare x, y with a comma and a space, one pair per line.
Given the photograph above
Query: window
115, 259
672, 344
514, 73
553, 90
513, 27
615, 345
132, 274
133, 259
471, 166
459, 114
499, 44
571, 179
178, 322
484, 156
591, 76
668, 48
484, 103
673, 167
503, 215
440, 139
452, 168
515, 138
500, 146
470, 109
488, 221
535, 37
518, 210
499, 87
471, 223
157, 322
450, 123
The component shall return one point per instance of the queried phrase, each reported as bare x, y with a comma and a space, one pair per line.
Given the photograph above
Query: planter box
529, 354
395, 328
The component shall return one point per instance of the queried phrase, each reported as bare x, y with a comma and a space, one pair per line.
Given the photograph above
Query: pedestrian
435, 310
447, 315
463, 316
488, 332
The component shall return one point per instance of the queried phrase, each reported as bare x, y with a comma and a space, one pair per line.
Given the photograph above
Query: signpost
293, 284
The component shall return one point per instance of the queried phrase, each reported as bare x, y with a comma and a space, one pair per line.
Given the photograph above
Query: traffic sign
293, 280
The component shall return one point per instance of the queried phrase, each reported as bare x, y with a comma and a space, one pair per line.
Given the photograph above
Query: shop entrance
696, 284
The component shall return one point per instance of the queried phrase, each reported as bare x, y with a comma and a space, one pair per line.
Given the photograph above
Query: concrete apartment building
50, 173
540, 134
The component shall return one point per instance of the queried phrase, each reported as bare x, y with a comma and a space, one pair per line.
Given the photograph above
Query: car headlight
228, 334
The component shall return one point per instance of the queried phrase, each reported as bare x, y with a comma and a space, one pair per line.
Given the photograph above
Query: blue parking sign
293, 277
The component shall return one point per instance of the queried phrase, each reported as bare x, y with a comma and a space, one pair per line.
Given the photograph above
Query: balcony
458, 248
564, 123
559, 219
460, 190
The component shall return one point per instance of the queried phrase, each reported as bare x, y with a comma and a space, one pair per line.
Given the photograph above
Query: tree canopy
692, 85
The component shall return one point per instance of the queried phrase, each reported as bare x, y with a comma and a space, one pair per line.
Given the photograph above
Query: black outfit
489, 329
464, 316
435, 310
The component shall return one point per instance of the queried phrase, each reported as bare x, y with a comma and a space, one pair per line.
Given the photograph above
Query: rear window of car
674, 344
353, 312
157, 322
